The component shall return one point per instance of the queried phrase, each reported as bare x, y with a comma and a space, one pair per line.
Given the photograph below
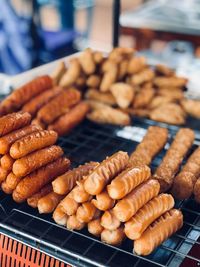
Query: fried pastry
123, 93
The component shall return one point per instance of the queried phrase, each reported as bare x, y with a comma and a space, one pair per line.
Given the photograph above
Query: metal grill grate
93, 142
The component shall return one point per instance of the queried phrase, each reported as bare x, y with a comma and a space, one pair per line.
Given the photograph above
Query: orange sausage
95, 228
170, 164
7, 162
3, 174
129, 205
64, 183
37, 102
13, 121
69, 205
86, 212
32, 142
59, 105
74, 224
7, 140
65, 123
33, 200
158, 232
10, 183
109, 220
36, 160
79, 193
148, 214
114, 237
103, 201
23, 94
126, 181
32, 183
108, 169
197, 191
48, 203
59, 216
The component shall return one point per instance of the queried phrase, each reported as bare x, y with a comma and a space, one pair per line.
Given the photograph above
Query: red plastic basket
16, 254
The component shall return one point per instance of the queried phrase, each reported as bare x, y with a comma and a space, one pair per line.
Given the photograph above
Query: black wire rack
87, 142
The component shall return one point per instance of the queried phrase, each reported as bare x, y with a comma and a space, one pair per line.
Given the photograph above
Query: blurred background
34, 32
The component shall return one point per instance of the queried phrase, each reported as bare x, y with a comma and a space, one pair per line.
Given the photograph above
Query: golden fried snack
110, 221
69, 205
13, 121
129, 205
169, 113
157, 101
106, 98
106, 114
123, 66
197, 191
143, 76
120, 53
105, 172
79, 193
49, 202
3, 174
68, 121
191, 107
153, 141
10, 183
158, 231
170, 81
36, 160
98, 57
170, 164
143, 97
74, 224
37, 102
185, 180
64, 183
86, 212
80, 82
32, 183
103, 201
123, 94
141, 112
173, 93
71, 74
95, 228
114, 237
109, 77
87, 62
7, 162
7, 140
127, 180
147, 215
32, 142
59, 105
33, 200
23, 94
136, 64
59, 216
93, 81
164, 70
58, 72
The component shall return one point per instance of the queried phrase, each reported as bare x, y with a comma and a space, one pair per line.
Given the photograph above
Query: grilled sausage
129, 205
32, 142
108, 169
148, 214
126, 181
158, 232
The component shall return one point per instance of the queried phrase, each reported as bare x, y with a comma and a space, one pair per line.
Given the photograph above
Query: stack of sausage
52, 107
115, 198
30, 160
